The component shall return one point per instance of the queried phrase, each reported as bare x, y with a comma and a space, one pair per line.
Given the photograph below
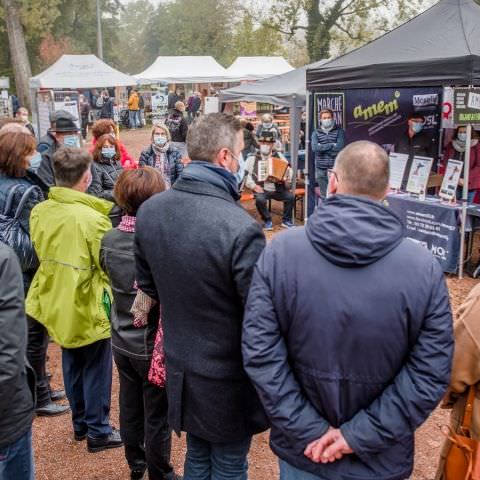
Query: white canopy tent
78, 72
183, 69
256, 68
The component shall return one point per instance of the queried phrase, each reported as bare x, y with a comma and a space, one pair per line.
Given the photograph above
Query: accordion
273, 169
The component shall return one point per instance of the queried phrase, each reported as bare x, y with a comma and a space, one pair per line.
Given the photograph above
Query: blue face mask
417, 127
327, 123
160, 140
71, 141
108, 152
241, 169
462, 137
35, 161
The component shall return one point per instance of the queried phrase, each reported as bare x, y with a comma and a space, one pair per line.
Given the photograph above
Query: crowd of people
338, 340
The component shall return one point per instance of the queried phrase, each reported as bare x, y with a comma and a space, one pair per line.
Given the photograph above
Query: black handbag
13, 234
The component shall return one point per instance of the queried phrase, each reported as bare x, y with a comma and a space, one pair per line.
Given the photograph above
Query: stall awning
255, 68
183, 69
80, 71
439, 47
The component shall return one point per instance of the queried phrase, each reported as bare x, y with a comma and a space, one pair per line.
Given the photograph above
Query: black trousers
143, 419
37, 346
281, 195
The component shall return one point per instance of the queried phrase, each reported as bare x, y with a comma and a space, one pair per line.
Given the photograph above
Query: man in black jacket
196, 248
16, 399
348, 379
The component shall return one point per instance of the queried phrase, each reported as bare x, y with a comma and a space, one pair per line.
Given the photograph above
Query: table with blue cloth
434, 224
301, 158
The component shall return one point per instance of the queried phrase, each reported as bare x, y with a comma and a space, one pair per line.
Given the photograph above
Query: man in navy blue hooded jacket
347, 334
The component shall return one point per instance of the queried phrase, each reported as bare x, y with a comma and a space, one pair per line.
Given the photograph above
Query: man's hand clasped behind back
329, 448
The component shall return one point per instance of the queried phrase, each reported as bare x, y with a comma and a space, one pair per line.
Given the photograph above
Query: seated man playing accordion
269, 176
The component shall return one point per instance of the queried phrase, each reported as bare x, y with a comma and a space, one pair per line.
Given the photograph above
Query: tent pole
294, 134
307, 153
466, 169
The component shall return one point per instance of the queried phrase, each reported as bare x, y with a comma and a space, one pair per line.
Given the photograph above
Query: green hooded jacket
67, 292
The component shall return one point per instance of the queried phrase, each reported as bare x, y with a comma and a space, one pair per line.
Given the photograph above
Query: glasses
332, 173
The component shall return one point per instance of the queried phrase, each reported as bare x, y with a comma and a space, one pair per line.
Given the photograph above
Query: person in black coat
143, 405
16, 378
161, 155
178, 126
347, 334
106, 167
195, 250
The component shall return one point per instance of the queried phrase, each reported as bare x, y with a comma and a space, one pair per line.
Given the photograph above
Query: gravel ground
58, 456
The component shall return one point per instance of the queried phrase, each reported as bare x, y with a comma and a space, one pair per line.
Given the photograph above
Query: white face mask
71, 141
265, 149
35, 161
160, 140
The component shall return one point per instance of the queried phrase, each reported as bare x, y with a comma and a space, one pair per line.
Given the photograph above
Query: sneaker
103, 443
287, 225
268, 225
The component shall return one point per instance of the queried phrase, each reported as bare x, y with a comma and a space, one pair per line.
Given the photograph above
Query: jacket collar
201, 188
68, 195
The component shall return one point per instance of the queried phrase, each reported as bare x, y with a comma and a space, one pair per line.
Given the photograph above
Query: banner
381, 114
466, 108
331, 101
431, 224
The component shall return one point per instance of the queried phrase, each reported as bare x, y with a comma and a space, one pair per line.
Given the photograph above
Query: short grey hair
210, 133
363, 169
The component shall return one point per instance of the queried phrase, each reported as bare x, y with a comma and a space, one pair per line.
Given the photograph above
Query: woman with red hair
107, 126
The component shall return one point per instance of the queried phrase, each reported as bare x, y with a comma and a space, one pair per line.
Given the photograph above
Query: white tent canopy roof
81, 71
255, 68
183, 69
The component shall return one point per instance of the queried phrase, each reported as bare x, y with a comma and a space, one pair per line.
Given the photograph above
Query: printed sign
419, 173
451, 178
330, 101
447, 108
398, 163
70, 106
467, 106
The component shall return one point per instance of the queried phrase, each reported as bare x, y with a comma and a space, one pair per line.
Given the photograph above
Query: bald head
362, 168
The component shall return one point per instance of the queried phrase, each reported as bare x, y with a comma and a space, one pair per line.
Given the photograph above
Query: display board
70, 106
398, 164
159, 103
418, 176
466, 106
448, 190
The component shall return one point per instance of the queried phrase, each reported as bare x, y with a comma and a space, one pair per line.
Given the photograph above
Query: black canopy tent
440, 47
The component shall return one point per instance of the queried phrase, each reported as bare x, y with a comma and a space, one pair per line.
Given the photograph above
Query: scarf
161, 160
214, 175
127, 224
460, 146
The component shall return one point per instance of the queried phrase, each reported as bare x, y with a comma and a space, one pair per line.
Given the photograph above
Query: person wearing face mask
84, 107
327, 141
106, 167
455, 150
268, 128
415, 142
17, 149
161, 155
22, 114
64, 132
107, 126
265, 190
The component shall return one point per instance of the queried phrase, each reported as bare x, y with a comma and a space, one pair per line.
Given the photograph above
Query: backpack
12, 232
99, 102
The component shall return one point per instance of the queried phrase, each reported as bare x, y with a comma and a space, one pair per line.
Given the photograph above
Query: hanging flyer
451, 179
398, 163
419, 173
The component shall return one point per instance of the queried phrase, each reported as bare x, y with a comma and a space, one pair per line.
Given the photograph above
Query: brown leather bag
463, 458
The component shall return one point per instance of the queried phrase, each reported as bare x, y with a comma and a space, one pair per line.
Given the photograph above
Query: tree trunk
318, 36
18, 52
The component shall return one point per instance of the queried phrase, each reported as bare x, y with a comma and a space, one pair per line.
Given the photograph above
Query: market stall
373, 88
57, 87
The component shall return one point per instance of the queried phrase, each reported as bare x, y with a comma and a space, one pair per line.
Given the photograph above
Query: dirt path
58, 456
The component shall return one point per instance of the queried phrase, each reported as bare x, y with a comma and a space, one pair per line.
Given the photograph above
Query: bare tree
18, 51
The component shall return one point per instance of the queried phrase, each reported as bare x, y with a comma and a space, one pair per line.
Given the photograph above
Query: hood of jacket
68, 195
352, 231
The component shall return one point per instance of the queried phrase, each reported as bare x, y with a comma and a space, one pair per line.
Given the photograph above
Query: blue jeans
321, 177
16, 460
134, 118
87, 375
216, 461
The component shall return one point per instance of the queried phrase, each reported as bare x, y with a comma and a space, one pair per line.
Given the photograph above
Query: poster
451, 178
381, 114
466, 108
433, 225
419, 173
398, 163
159, 103
70, 106
333, 101
247, 109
